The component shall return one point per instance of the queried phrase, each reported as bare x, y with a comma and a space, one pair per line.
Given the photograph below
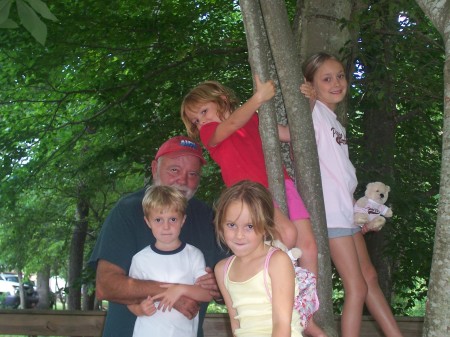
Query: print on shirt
339, 137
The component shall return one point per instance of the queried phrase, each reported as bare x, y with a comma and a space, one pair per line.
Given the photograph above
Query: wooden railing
32, 322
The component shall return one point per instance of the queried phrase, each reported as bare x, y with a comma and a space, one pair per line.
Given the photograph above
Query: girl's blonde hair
163, 197
259, 202
209, 91
314, 62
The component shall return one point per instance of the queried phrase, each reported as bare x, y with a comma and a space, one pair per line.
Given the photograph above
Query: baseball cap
180, 146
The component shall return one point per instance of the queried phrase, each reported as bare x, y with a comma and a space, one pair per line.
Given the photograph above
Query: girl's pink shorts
296, 207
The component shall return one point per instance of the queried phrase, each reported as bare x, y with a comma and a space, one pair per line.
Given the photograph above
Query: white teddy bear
370, 209
294, 253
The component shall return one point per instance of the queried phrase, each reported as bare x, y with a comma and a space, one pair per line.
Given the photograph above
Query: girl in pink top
230, 133
326, 82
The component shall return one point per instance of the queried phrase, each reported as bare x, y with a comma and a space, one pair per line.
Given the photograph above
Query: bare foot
313, 330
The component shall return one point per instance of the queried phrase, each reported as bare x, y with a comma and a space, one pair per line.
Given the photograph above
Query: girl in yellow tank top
244, 220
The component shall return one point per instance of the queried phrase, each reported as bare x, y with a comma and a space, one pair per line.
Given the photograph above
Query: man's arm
113, 284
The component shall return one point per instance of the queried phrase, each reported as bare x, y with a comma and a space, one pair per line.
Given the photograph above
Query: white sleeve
198, 263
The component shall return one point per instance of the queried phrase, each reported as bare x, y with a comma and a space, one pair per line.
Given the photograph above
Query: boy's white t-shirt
337, 172
184, 266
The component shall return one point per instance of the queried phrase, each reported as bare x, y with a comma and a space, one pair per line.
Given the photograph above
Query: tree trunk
21, 290
261, 62
88, 300
287, 65
317, 26
437, 316
76, 252
43, 288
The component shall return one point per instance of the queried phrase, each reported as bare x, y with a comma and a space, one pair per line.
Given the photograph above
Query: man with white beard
178, 163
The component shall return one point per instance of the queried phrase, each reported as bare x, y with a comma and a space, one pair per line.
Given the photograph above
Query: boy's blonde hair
163, 197
259, 202
209, 91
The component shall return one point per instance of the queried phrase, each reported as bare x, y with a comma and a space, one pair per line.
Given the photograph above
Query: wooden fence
32, 322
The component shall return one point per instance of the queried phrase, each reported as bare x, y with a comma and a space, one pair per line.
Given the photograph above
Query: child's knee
355, 287
370, 274
290, 237
286, 230
359, 291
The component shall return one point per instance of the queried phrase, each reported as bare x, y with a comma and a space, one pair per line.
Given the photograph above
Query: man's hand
188, 307
208, 281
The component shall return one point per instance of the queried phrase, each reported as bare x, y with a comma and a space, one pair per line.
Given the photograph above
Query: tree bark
261, 62
76, 252
437, 316
43, 288
21, 290
88, 299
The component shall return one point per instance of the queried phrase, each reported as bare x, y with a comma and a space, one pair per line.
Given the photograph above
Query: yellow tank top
254, 307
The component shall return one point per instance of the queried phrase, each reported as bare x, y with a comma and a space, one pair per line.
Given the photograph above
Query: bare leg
307, 243
345, 258
375, 300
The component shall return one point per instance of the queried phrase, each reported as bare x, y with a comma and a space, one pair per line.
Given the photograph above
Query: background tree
29, 12
437, 318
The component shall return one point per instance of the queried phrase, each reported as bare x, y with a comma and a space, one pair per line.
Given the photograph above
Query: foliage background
82, 117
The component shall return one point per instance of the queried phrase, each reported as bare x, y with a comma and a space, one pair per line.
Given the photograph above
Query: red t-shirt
240, 156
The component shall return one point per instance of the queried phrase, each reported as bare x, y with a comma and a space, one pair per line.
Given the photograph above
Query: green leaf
30, 20
5, 6
42, 9
8, 23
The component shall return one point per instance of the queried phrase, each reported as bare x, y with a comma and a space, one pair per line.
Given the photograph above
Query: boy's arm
170, 296
145, 308
136, 309
281, 272
240, 117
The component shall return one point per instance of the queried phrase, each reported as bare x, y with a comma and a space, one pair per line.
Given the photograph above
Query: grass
214, 308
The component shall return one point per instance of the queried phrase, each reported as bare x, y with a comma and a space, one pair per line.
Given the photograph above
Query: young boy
175, 264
